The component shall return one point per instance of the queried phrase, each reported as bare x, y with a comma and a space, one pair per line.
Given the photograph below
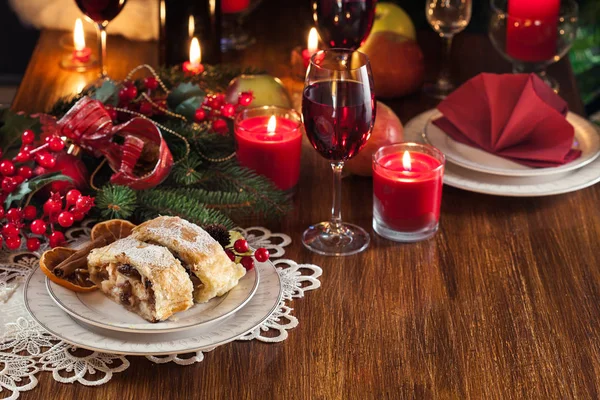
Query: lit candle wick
78, 36
271, 125
406, 163
195, 53
313, 41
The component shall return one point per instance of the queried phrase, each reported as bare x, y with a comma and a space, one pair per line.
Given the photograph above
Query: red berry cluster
130, 98
215, 108
240, 248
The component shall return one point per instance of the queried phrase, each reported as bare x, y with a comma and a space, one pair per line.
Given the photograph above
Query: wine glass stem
444, 77
102, 49
335, 226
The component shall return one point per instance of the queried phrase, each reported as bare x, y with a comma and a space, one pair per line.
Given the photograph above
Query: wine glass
101, 12
338, 110
535, 41
447, 18
235, 12
344, 23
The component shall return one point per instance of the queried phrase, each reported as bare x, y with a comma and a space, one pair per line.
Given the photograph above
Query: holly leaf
182, 92
32, 186
188, 107
107, 93
12, 126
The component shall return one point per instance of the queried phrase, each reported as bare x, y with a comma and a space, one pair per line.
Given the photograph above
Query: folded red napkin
516, 116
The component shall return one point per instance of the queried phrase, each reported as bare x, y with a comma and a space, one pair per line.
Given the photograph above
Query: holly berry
25, 171
28, 137
228, 110
245, 99
112, 113
22, 156
151, 83
146, 108
7, 168
14, 214
10, 230
13, 242
219, 100
220, 126
8, 185
78, 215
45, 159
72, 196
29, 212
65, 219
18, 179
56, 143
123, 96
33, 244
262, 254
38, 227
230, 254
56, 239
247, 262
241, 246
131, 92
52, 206
1, 212
200, 115
84, 204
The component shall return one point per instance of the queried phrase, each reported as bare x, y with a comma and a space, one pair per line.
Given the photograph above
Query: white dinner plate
96, 309
479, 182
586, 139
42, 309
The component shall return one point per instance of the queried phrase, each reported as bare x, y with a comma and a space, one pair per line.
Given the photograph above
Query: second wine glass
101, 12
338, 110
344, 23
447, 18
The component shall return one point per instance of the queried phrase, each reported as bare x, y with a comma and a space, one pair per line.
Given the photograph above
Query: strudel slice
144, 278
211, 270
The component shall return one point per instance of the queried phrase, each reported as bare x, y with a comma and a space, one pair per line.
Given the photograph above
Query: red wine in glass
101, 12
344, 23
338, 117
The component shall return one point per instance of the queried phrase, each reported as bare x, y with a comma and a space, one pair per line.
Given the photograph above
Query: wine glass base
351, 240
240, 40
438, 90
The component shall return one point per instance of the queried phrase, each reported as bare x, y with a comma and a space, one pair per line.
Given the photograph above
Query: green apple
390, 17
267, 90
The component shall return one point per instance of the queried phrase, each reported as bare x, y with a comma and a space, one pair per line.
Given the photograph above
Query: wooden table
504, 302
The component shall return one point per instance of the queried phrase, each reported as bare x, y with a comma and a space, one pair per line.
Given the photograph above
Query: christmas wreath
159, 142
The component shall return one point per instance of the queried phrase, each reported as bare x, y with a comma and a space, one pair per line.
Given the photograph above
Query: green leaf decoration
32, 186
12, 127
108, 93
188, 107
116, 202
182, 92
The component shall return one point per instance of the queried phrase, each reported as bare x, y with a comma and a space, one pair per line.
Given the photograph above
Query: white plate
96, 309
586, 140
57, 322
473, 181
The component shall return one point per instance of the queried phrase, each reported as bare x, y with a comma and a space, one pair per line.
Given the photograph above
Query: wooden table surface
504, 302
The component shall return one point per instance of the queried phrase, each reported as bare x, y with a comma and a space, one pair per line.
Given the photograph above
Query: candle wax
407, 201
531, 32
83, 55
192, 69
275, 155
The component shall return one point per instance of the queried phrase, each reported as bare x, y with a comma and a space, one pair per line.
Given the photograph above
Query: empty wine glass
447, 18
338, 110
101, 12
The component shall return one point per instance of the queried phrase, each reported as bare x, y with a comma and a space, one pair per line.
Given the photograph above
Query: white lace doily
26, 348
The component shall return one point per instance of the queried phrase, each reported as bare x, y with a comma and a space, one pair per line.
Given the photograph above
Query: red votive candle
82, 56
531, 31
234, 6
407, 191
269, 141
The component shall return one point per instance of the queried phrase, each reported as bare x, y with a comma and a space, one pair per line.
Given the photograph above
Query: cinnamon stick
79, 258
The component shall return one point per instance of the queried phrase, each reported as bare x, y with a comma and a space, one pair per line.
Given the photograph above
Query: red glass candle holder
407, 194
276, 153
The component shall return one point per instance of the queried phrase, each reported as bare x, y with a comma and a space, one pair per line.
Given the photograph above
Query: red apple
387, 130
397, 64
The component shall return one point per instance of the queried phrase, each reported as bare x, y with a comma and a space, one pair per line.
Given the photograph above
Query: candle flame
406, 161
313, 41
191, 26
271, 125
195, 52
78, 35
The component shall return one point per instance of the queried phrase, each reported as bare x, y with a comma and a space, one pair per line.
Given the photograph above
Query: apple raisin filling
125, 285
195, 280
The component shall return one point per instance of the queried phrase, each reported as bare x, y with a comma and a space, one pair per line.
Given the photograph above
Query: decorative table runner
27, 349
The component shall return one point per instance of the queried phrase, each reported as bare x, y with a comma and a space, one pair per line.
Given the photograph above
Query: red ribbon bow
89, 125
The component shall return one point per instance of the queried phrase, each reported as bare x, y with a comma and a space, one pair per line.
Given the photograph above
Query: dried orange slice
76, 282
113, 229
